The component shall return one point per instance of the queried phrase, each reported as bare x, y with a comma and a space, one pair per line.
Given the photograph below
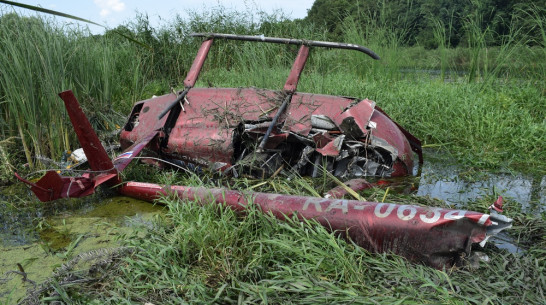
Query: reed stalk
476, 41
442, 35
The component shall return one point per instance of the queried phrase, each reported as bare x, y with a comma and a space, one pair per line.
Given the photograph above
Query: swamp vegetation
481, 106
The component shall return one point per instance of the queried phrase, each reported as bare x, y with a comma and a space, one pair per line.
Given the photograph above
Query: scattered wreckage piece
434, 236
255, 132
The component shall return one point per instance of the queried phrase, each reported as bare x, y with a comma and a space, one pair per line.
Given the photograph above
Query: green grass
210, 254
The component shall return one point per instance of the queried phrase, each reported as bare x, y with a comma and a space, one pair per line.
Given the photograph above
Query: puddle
39, 240
457, 187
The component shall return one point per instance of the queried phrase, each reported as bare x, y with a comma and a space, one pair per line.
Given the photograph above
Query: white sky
114, 12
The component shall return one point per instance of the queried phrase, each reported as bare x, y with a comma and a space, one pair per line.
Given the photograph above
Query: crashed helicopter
257, 132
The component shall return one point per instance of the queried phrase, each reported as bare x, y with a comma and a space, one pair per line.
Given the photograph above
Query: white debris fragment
78, 156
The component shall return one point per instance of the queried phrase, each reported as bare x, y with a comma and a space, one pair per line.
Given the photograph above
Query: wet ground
39, 243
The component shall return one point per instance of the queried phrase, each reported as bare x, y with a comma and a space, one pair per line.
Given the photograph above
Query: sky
114, 12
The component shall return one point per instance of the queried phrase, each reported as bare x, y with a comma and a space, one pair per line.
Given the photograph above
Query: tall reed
442, 35
476, 35
532, 18
29, 52
39, 59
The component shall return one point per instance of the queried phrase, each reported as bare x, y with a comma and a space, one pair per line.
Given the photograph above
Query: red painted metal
204, 134
434, 236
331, 149
53, 186
215, 127
415, 143
387, 131
294, 77
86, 135
354, 121
198, 62
143, 119
497, 205
122, 160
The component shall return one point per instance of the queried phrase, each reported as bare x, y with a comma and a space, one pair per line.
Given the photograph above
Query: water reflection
457, 187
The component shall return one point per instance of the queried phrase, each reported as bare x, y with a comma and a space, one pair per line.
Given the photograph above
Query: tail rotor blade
96, 154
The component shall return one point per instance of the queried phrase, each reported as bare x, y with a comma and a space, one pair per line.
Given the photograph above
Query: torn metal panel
353, 122
305, 105
390, 139
224, 125
209, 126
413, 141
333, 148
322, 137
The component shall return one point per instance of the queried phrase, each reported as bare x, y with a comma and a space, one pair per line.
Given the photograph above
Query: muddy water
458, 186
39, 243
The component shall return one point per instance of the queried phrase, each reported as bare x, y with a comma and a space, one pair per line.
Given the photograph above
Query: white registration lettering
318, 208
380, 214
432, 219
359, 207
454, 215
403, 208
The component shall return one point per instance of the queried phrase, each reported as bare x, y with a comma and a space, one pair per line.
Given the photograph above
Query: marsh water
458, 186
40, 237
